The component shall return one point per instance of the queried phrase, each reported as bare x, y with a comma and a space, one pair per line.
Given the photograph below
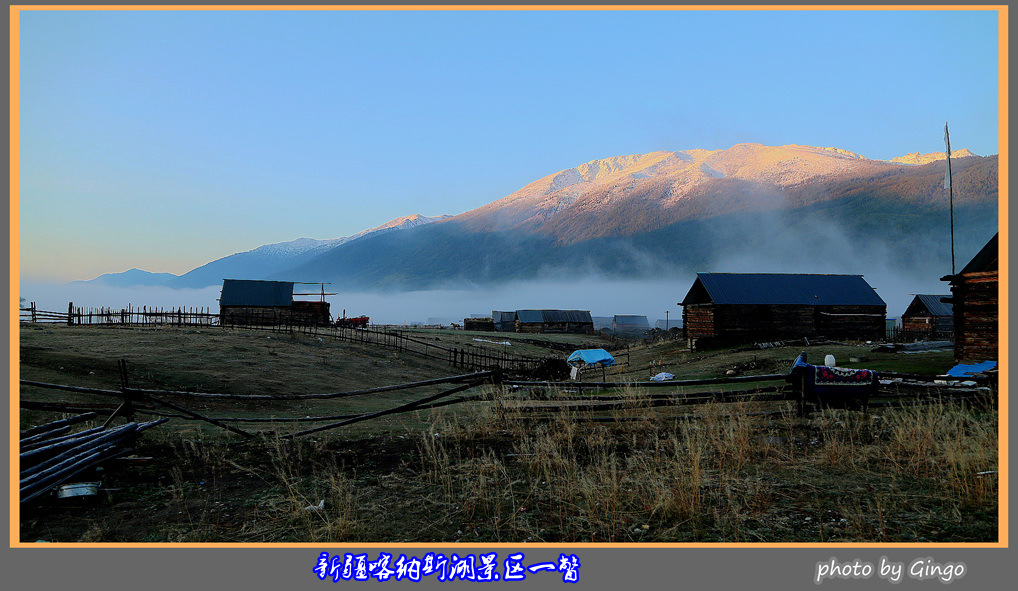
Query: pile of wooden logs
51, 456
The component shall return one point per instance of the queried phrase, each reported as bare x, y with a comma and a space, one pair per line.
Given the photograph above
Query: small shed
729, 308
257, 302
630, 324
929, 316
554, 321
974, 294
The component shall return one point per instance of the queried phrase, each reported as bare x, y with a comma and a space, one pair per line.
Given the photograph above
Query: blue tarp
960, 371
586, 357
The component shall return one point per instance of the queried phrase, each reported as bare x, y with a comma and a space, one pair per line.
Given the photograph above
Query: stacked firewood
50, 455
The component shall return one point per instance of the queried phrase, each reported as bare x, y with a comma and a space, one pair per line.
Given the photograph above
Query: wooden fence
143, 401
129, 316
900, 335
526, 398
457, 357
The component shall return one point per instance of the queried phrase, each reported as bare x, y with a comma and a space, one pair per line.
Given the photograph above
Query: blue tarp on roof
782, 289
248, 292
962, 370
585, 357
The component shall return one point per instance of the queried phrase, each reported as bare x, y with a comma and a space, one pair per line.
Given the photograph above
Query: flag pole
950, 188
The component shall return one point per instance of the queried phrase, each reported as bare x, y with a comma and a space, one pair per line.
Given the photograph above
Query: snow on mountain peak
293, 247
917, 159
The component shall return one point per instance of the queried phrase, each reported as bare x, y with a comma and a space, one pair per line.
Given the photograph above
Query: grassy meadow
749, 471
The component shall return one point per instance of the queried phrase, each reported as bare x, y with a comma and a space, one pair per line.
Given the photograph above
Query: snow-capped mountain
669, 178
296, 247
647, 214
916, 158
654, 213
401, 223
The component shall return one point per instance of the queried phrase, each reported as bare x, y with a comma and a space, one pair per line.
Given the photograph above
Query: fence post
33, 312
70, 314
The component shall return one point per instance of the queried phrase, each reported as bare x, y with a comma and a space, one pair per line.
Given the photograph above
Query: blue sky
163, 140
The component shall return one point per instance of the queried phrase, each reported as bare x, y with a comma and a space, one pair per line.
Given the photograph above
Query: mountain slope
625, 217
266, 261
600, 198
131, 278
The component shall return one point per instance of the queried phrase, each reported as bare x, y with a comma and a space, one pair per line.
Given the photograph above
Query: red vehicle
358, 322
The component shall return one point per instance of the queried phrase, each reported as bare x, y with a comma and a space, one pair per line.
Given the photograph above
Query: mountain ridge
605, 202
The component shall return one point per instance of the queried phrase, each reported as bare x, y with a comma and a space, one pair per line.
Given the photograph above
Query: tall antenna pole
950, 188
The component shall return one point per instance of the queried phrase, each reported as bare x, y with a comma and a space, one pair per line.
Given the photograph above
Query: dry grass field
751, 471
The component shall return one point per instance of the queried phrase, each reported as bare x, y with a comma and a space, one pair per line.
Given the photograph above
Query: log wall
758, 322
975, 316
555, 327
927, 323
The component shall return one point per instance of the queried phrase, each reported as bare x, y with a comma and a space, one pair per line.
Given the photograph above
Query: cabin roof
249, 292
631, 319
985, 259
537, 316
782, 289
929, 303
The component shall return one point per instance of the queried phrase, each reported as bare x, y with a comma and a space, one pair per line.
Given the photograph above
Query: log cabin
268, 303
732, 308
974, 295
554, 321
928, 316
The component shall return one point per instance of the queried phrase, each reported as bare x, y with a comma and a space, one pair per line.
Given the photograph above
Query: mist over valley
623, 235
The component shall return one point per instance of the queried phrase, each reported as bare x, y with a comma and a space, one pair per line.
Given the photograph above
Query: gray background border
602, 568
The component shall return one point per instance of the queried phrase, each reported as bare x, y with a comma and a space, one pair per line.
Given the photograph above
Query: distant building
253, 302
629, 324
504, 321
975, 308
602, 322
729, 308
668, 323
928, 316
552, 321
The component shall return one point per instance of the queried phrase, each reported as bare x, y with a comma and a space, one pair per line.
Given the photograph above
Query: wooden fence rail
129, 316
144, 401
131, 396
460, 358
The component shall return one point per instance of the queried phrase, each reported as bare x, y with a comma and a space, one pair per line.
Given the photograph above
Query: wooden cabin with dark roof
928, 316
974, 295
269, 303
731, 308
554, 321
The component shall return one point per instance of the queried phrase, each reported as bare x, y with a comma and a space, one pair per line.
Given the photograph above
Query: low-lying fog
601, 297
